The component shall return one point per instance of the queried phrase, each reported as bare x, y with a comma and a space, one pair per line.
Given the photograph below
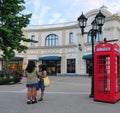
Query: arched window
51, 40
97, 39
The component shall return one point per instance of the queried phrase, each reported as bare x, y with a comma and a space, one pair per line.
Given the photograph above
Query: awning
14, 59
87, 57
50, 58
17, 58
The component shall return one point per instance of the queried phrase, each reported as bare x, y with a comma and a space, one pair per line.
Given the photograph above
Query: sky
62, 11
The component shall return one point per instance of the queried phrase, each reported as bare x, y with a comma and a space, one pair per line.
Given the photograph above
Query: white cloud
37, 4
93, 4
40, 10
42, 13
113, 6
56, 18
66, 10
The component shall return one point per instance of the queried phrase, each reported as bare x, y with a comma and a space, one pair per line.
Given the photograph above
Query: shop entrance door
89, 67
51, 67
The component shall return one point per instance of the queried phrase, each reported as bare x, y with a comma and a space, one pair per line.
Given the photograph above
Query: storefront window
15, 65
70, 65
59, 67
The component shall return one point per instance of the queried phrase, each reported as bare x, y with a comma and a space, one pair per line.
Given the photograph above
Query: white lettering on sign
116, 49
103, 49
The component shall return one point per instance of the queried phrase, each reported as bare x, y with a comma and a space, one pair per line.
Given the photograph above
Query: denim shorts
31, 85
41, 84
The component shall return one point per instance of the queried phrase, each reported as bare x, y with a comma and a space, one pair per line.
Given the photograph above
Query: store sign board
103, 49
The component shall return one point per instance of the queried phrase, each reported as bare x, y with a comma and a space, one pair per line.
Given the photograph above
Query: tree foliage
12, 21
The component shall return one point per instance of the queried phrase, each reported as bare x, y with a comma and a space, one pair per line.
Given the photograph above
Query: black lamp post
96, 28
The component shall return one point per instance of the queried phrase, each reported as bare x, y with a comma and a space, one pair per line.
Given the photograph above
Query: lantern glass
82, 21
94, 25
100, 19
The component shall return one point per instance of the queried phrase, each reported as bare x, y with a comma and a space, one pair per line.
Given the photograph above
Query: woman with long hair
31, 73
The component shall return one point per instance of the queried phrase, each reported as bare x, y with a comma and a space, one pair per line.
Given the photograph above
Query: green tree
12, 21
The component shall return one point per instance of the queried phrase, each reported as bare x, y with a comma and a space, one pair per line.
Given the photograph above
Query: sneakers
41, 99
28, 102
32, 101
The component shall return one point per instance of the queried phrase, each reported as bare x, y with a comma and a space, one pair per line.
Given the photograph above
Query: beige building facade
63, 49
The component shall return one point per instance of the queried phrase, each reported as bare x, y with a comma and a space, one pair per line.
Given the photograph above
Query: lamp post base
91, 95
92, 86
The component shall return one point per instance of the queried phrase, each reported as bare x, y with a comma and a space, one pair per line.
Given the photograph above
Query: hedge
5, 81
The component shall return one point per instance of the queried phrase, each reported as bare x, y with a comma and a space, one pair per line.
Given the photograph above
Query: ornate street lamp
100, 19
96, 28
82, 23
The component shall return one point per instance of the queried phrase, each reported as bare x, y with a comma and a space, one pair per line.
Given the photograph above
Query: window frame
98, 38
32, 38
71, 37
71, 65
51, 40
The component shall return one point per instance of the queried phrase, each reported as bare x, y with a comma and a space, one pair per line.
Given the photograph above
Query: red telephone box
107, 72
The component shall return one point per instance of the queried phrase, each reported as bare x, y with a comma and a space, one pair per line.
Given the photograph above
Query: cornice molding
49, 27
53, 47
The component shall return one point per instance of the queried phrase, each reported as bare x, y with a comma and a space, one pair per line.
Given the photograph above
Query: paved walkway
65, 95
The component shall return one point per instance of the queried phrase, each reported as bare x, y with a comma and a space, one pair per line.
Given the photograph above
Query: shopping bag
46, 81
